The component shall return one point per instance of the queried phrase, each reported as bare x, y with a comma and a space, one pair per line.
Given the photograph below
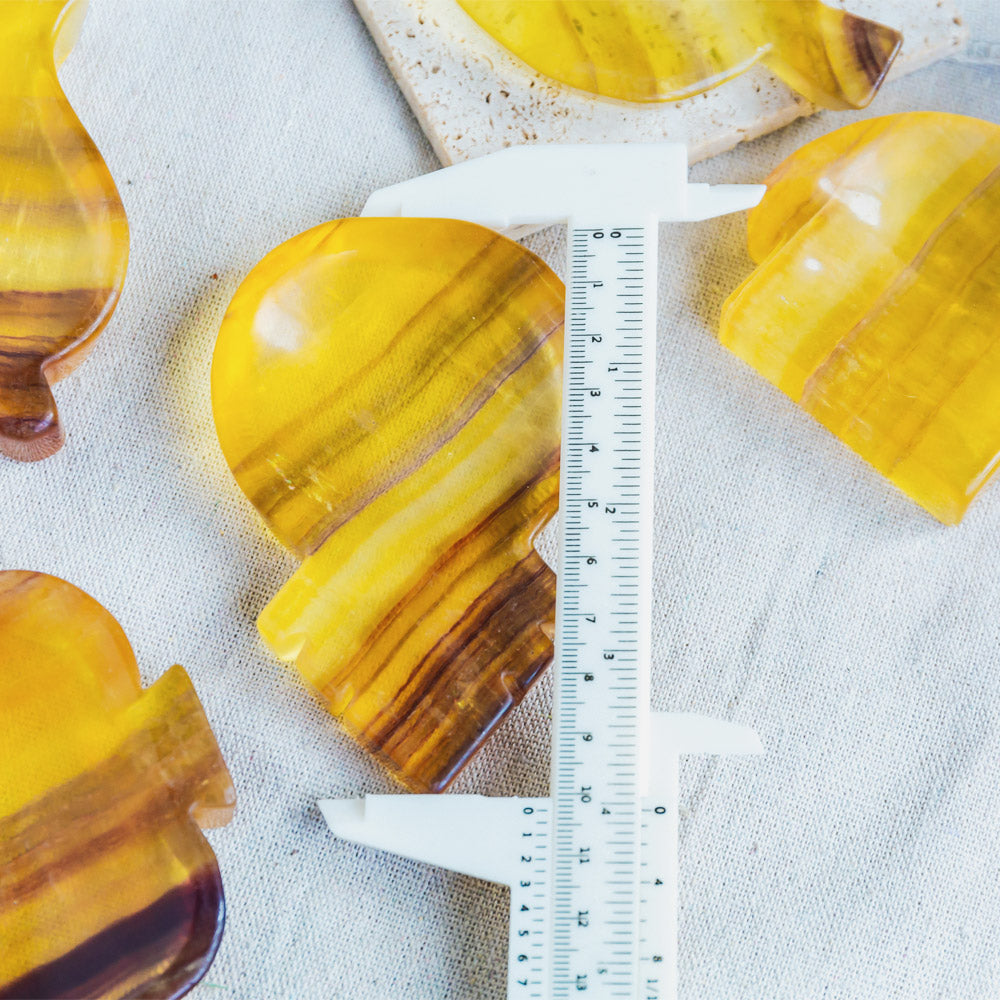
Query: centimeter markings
530, 902
602, 696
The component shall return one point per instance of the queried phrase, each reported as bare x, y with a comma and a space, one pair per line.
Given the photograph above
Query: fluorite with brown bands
876, 298
666, 50
62, 226
387, 393
108, 889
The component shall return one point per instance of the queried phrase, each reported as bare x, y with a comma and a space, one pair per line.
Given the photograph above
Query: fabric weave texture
796, 591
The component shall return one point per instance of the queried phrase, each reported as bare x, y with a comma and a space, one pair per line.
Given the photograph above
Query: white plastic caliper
593, 868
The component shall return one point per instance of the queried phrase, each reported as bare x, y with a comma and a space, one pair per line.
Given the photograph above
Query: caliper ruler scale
602, 633
592, 869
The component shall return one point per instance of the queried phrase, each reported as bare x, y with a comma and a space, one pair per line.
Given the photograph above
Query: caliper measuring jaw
592, 869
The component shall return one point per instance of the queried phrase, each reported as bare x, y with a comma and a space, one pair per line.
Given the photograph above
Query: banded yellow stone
109, 888
666, 50
387, 393
62, 226
876, 298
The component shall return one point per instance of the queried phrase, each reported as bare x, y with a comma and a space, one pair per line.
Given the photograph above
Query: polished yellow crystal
108, 889
665, 50
876, 301
62, 226
387, 393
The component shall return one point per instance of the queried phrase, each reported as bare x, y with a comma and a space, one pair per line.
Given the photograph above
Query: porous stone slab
473, 97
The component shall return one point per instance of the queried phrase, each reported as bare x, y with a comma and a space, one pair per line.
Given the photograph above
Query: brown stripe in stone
34, 357
435, 663
184, 925
474, 677
487, 623
510, 506
451, 754
39, 850
864, 38
66, 829
29, 420
63, 302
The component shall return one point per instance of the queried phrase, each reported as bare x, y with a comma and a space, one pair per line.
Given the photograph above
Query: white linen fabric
796, 591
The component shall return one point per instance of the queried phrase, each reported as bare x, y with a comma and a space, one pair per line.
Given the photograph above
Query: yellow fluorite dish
665, 50
876, 301
108, 889
387, 394
62, 226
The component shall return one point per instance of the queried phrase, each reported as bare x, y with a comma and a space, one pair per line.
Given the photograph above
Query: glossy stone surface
63, 227
387, 393
876, 301
665, 50
108, 888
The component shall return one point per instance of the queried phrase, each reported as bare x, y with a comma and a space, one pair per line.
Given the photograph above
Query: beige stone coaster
473, 97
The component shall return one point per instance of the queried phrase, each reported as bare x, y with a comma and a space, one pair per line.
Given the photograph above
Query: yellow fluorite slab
108, 889
876, 302
387, 393
62, 226
665, 50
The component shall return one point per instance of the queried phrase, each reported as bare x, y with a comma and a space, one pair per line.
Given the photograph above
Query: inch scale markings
593, 869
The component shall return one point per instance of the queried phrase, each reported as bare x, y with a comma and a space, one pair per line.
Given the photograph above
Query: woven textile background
795, 590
